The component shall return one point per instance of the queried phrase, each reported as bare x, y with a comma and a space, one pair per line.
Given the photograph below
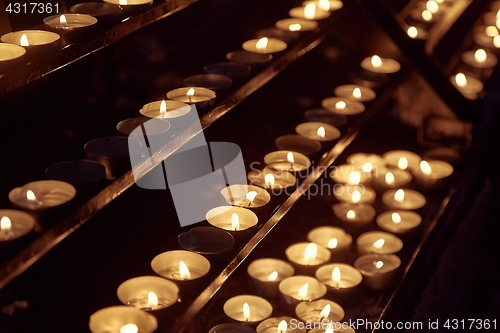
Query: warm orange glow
235, 221
432, 6
303, 291
63, 21
329, 328
426, 15
351, 215
250, 197
269, 180
282, 326
376, 61
325, 312
336, 275
461, 80
152, 300
31, 196
310, 11
311, 251
332, 243
340, 105
354, 178
262, 43
122, 2
129, 328
295, 27
184, 272
379, 243
273, 276
5, 224
399, 196
24, 40
321, 132
163, 107
491, 31
389, 178
367, 167
480, 55
403, 163
412, 32
324, 5
246, 311
290, 158
356, 196
190, 92
378, 264
425, 167
396, 218
356, 93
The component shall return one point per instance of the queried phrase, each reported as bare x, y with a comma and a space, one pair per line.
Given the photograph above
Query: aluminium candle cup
294, 24
254, 60
346, 174
154, 126
375, 277
113, 318
278, 160
103, 11
468, 57
387, 66
21, 226
344, 193
436, 179
207, 241
234, 70
289, 291
356, 221
300, 13
344, 290
274, 45
260, 309
349, 91
309, 312
259, 272
311, 130
296, 255
340, 248
343, 106
113, 152
222, 217
418, 34
471, 89
271, 325
393, 157
286, 36
40, 42
174, 109
216, 82
412, 200
369, 79
231, 328
367, 243
423, 17
446, 154
202, 97
324, 116
400, 178
282, 180
236, 195
76, 25
54, 198
405, 223
131, 7
11, 56
483, 40
298, 143
134, 292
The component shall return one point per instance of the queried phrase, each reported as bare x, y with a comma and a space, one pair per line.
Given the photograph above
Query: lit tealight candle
233, 219
309, 12
264, 45
14, 224
165, 109
287, 161
294, 24
267, 273
378, 270
180, 265
9, 54
432, 6
319, 311
68, 22
342, 280
402, 159
148, 293
343, 106
479, 59
245, 195
403, 199
431, 174
469, 86
392, 178
354, 194
399, 221
280, 325
122, 319
318, 131
298, 288
378, 242
271, 179
359, 93
248, 309
376, 64
368, 162
32, 40
202, 97
416, 33
334, 239
307, 257
353, 217
350, 174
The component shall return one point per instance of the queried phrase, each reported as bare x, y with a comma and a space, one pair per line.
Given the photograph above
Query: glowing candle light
122, 2
496, 41
324, 5
295, 27
378, 264
399, 196
354, 178
351, 215
269, 180
396, 218
403, 163
333, 243
129, 328
412, 32
262, 43
491, 31
311, 252
321, 132
291, 159
246, 311
427, 15
273, 276
190, 93
235, 221
389, 178
5, 225
326, 310
356, 93
480, 55
24, 40
152, 300
425, 168
461, 80
184, 272
376, 61
340, 105
379, 243
31, 197
329, 328
310, 11
250, 197
336, 277
282, 326
367, 167
303, 291
356, 196
432, 6
163, 107
63, 21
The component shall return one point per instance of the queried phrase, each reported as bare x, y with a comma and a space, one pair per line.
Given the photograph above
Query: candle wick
291, 166
189, 99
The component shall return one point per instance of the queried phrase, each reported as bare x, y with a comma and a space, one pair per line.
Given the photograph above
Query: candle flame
354, 178
184, 272
63, 21
432, 6
303, 291
332, 243
163, 107
5, 224
31, 196
329, 328
325, 312
367, 167
336, 275
379, 243
378, 264
122, 2
461, 80
235, 221
152, 300
480, 55
356, 196
24, 40
321, 132
282, 326
269, 180
129, 328
310, 11
376, 61
389, 178
340, 105
250, 197
273, 276
496, 41
190, 92
399, 196
246, 311
324, 5
396, 218
295, 27
351, 215
412, 32
262, 43
290, 158
427, 15
356, 93
311, 251
425, 167
403, 163
491, 31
